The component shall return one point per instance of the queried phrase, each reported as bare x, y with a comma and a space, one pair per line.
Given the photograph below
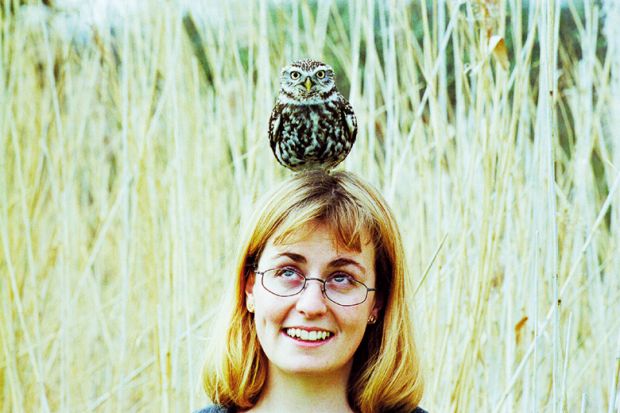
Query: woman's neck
304, 393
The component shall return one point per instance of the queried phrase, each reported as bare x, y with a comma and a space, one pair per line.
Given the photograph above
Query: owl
312, 125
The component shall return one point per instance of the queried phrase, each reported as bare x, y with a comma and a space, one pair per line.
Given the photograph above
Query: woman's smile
308, 338
303, 334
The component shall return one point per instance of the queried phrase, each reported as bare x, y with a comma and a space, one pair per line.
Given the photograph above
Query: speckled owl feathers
312, 125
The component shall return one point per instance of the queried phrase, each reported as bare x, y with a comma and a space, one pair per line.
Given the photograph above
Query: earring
250, 306
372, 319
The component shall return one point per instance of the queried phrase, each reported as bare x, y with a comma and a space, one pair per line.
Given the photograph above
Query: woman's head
312, 211
311, 302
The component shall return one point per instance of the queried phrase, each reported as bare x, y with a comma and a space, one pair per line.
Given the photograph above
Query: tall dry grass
128, 158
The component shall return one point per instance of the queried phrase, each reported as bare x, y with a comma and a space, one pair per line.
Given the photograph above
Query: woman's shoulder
215, 409
419, 410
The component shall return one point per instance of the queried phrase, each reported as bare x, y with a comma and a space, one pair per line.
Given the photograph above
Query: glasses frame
306, 279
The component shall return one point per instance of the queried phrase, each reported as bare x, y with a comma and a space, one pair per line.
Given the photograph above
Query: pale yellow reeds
128, 159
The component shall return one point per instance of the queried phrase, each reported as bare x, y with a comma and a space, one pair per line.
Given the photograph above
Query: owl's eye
295, 75
320, 74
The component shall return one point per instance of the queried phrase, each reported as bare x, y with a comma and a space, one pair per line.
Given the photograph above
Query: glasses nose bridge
322, 282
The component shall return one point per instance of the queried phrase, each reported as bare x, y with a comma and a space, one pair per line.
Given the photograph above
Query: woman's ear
377, 307
249, 283
249, 291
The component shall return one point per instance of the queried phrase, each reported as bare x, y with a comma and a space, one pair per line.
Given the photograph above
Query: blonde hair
385, 374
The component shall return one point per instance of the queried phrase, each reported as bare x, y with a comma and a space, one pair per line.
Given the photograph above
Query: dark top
214, 409
219, 409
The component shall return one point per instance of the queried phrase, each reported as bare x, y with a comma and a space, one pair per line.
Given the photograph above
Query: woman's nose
311, 301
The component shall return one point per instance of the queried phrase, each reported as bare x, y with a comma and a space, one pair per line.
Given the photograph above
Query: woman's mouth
305, 335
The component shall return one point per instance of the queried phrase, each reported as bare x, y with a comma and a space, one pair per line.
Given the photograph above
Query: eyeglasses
339, 288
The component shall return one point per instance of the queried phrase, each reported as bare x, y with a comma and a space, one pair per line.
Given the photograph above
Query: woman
320, 318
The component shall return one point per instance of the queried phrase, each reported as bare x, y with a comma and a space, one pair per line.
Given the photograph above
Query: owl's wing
349, 118
274, 126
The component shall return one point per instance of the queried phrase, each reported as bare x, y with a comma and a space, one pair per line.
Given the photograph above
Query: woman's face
284, 324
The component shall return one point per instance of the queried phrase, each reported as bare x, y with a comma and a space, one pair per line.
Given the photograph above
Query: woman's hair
385, 375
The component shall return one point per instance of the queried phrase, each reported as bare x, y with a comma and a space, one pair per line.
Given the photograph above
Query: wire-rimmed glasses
339, 287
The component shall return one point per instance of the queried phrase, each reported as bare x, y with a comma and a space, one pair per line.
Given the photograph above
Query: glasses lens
344, 290
283, 281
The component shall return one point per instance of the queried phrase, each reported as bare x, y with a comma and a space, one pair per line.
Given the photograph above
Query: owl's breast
311, 124
312, 134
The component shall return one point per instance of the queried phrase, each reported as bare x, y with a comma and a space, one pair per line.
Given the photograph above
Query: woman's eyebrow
337, 263
342, 262
295, 257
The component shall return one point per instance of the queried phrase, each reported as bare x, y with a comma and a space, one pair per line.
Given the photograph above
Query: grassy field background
129, 155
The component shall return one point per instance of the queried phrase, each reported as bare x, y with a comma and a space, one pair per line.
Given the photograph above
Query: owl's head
307, 80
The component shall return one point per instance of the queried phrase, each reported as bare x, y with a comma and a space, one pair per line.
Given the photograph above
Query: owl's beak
308, 84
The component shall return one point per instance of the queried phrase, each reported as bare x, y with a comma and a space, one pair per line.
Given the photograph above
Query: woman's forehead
346, 238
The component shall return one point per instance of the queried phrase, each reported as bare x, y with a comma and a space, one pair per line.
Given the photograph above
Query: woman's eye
295, 75
320, 74
286, 273
341, 279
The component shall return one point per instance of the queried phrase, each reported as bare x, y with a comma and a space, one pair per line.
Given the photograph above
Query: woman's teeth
308, 335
